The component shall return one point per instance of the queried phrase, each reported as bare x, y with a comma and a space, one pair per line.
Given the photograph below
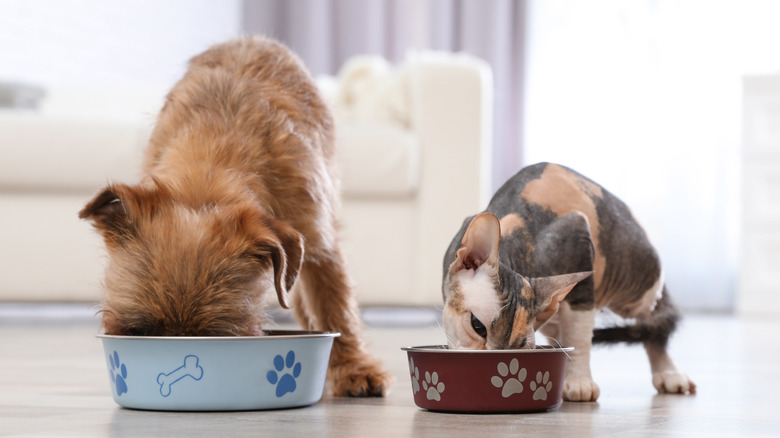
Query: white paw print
512, 385
542, 386
433, 387
415, 373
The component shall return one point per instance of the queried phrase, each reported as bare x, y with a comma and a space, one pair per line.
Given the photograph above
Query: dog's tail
654, 329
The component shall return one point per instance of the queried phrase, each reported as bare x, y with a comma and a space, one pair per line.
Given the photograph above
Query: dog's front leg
576, 330
326, 302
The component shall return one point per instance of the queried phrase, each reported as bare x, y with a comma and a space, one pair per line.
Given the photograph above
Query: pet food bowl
487, 380
282, 369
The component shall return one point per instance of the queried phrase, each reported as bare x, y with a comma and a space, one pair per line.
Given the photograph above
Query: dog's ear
285, 247
108, 214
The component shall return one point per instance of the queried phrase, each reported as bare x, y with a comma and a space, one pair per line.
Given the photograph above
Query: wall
109, 44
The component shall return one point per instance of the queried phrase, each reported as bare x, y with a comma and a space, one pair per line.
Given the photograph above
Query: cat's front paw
363, 378
582, 389
673, 382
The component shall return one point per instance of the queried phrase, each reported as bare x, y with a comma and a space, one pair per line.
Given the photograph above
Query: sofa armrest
452, 114
441, 101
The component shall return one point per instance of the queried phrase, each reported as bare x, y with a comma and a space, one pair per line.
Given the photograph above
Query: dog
239, 196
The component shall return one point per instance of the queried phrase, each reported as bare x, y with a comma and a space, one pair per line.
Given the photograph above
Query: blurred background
670, 104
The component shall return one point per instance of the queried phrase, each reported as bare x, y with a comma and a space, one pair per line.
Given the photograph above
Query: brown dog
239, 195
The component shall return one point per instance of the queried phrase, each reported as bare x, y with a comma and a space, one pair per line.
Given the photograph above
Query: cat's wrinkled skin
551, 249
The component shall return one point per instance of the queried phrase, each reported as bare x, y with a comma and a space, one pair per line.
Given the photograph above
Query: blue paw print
118, 373
286, 383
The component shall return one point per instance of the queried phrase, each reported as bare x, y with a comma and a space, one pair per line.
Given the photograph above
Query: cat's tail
654, 329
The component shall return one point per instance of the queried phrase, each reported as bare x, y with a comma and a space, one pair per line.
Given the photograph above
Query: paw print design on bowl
286, 383
118, 373
542, 386
513, 384
415, 373
433, 386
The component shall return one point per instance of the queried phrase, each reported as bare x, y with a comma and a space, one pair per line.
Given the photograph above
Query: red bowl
487, 380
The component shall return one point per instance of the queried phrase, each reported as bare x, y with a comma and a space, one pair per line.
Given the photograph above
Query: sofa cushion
55, 153
377, 160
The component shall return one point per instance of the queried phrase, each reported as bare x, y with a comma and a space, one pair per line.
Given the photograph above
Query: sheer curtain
327, 32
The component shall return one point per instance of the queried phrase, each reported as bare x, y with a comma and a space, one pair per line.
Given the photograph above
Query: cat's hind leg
653, 330
666, 378
662, 322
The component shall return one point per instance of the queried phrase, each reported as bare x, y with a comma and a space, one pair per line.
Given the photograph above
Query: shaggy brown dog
240, 195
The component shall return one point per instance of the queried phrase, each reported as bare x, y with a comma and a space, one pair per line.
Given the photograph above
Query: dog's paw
360, 379
673, 382
582, 389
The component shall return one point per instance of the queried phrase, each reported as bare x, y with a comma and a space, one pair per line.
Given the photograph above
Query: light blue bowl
282, 369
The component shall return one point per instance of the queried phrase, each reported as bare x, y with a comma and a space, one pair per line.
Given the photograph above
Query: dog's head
179, 270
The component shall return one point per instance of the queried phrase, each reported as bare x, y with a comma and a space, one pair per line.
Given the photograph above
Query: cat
551, 249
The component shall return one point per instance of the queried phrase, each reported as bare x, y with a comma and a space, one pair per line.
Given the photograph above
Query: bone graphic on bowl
190, 368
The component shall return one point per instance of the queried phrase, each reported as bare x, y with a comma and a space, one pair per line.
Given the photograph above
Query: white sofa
414, 143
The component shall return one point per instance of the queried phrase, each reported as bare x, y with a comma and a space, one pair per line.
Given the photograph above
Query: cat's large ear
550, 292
479, 247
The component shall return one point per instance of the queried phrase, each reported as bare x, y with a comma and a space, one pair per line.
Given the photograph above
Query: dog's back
249, 106
253, 90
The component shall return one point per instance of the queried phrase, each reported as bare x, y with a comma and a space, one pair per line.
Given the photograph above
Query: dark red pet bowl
487, 380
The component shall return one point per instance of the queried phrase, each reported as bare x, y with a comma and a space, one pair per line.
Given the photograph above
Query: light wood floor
53, 383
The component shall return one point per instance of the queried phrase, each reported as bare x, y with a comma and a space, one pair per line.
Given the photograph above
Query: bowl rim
445, 349
270, 335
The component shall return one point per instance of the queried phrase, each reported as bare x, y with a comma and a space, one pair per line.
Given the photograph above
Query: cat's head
489, 306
